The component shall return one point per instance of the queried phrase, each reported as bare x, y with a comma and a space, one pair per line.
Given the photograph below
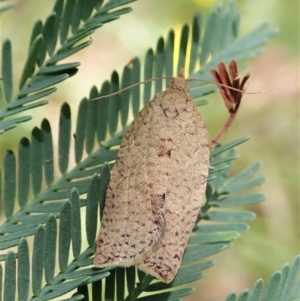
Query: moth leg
232, 98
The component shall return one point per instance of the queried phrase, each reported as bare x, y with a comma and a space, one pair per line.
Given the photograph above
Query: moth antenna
170, 77
223, 85
133, 85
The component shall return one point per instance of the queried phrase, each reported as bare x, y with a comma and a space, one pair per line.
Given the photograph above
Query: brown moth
157, 185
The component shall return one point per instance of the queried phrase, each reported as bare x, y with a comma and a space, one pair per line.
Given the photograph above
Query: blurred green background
271, 118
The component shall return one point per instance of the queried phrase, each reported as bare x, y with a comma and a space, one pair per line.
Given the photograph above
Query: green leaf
10, 243
246, 185
88, 7
110, 286
42, 82
31, 60
112, 4
282, 286
66, 20
120, 283
169, 56
125, 96
218, 150
64, 235
222, 236
7, 69
18, 233
76, 18
159, 64
293, 277
172, 295
23, 100
148, 72
179, 280
64, 137
86, 272
81, 129
60, 290
80, 35
23, 270
230, 216
9, 183
210, 228
246, 173
104, 180
38, 260
24, 171
113, 105
91, 121
58, 8
99, 4
9, 287
50, 248
92, 210
102, 113
76, 223
243, 296
271, 287
47, 207
196, 38
20, 109
193, 253
135, 91
9, 124
183, 47
240, 200
230, 20
69, 68
36, 160
231, 297
207, 42
190, 269
97, 290
36, 30
66, 53
50, 32
256, 291
47, 151
239, 183
83, 290
130, 277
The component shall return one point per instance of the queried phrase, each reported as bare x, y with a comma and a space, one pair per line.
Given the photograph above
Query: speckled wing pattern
156, 186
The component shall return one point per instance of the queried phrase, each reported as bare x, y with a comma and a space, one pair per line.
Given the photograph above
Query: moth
157, 184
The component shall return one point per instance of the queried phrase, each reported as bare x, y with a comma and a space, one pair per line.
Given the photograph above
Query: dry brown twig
231, 89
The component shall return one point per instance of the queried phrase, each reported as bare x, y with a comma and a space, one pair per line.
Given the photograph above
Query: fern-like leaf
284, 285
97, 139
69, 22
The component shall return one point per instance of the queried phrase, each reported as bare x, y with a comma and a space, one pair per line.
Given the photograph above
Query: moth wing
185, 190
133, 220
